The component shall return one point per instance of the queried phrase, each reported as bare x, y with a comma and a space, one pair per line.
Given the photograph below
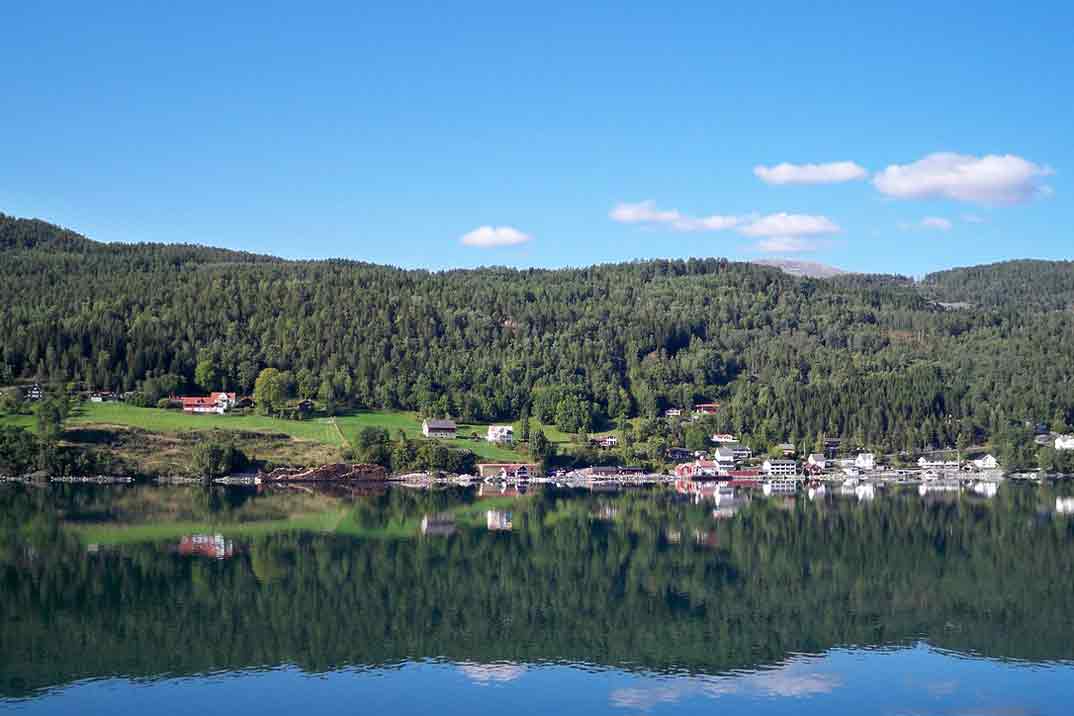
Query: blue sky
390, 133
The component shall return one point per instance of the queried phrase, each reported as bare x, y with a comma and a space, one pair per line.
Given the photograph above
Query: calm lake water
138, 599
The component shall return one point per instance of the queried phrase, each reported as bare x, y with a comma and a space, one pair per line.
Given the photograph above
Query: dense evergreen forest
874, 358
583, 579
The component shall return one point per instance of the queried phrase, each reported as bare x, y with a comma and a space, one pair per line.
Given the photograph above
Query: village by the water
727, 472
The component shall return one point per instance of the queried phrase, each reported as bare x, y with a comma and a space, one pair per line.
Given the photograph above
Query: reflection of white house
438, 525
986, 463
1064, 505
498, 521
925, 464
1064, 442
865, 461
780, 468
501, 434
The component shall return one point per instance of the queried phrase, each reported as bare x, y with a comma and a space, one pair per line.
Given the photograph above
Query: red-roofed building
218, 403
698, 470
706, 408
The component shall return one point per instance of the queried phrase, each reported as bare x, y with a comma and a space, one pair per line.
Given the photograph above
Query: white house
780, 468
673, 412
723, 438
218, 403
725, 458
818, 461
741, 451
432, 428
865, 461
986, 463
501, 434
1064, 442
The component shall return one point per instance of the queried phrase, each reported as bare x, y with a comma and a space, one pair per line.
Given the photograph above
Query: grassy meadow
337, 432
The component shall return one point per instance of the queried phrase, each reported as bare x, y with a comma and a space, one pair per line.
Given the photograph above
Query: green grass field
172, 421
339, 431
19, 421
410, 424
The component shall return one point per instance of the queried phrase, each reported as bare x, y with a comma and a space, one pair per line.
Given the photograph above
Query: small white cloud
786, 245
777, 232
831, 173
785, 225
789, 233
992, 179
936, 222
646, 212
486, 237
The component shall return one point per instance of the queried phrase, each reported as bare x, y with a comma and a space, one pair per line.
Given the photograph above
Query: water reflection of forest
98, 582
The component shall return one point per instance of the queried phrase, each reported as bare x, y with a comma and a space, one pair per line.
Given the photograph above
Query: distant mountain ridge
806, 269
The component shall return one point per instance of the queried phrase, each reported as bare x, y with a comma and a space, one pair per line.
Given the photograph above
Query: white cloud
646, 212
789, 233
784, 225
486, 237
786, 245
992, 179
936, 222
831, 173
777, 232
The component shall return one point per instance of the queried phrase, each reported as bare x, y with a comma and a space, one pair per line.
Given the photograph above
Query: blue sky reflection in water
281, 601
910, 680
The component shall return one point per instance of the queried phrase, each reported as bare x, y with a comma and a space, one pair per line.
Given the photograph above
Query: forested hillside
869, 357
1032, 285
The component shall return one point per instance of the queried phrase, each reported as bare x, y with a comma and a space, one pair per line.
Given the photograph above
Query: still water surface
139, 599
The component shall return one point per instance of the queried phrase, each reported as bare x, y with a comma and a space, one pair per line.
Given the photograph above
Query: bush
216, 458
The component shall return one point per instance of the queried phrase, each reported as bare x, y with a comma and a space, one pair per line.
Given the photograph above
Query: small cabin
435, 428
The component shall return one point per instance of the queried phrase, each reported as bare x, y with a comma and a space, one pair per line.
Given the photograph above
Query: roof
817, 457
724, 452
435, 424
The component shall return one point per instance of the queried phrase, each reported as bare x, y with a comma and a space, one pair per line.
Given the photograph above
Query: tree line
869, 357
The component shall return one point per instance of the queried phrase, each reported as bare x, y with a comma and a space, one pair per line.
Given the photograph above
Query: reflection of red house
212, 546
